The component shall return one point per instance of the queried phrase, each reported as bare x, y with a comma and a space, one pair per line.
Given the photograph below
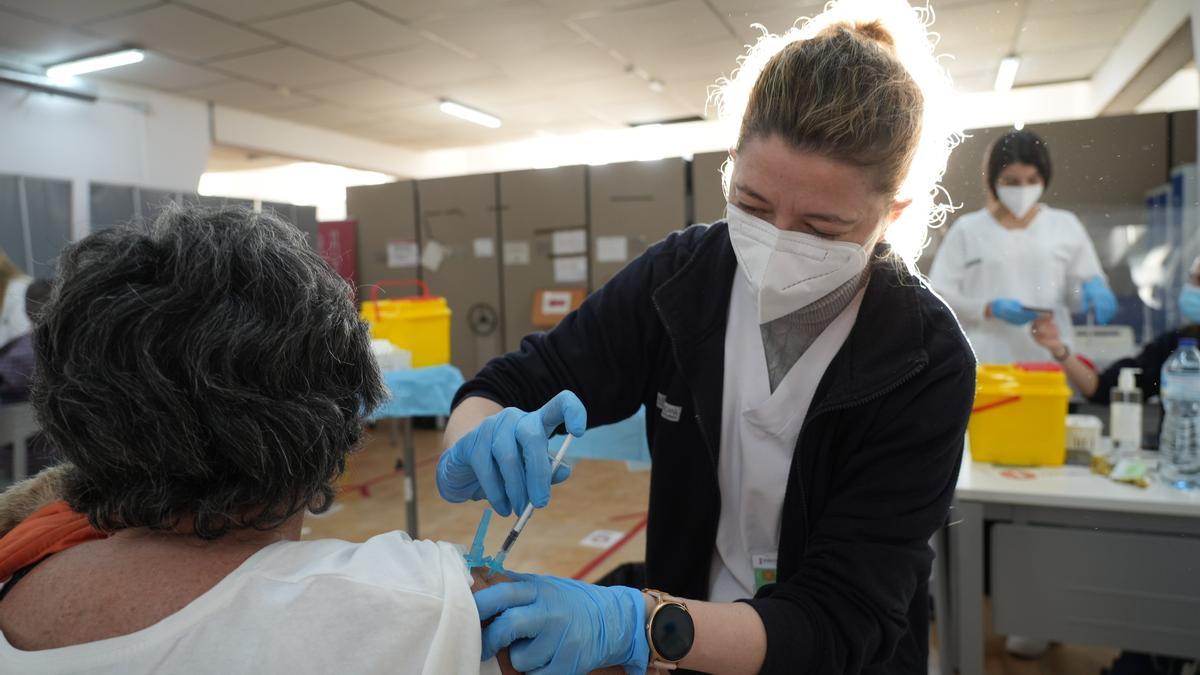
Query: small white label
556, 303
485, 247
569, 242
401, 254
516, 253
612, 249
670, 412
433, 255
570, 270
602, 539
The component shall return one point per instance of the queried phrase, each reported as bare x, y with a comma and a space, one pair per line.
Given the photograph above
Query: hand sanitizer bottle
1125, 414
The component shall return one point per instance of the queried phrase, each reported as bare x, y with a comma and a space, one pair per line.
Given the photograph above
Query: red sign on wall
335, 241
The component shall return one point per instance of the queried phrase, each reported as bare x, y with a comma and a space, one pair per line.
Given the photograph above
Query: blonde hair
857, 83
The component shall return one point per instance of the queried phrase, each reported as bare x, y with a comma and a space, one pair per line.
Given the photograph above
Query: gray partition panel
110, 205
12, 234
708, 198
533, 205
208, 200
49, 207
384, 213
642, 202
305, 218
1183, 137
454, 213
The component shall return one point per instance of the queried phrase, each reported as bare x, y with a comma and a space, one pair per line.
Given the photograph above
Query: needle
516, 531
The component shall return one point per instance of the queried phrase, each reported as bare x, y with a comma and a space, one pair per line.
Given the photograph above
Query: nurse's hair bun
871, 30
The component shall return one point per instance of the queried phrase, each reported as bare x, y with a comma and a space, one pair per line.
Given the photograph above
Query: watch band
657, 661
1066, 354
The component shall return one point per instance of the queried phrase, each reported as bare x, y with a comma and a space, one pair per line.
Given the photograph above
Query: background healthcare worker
998, 262
807, 394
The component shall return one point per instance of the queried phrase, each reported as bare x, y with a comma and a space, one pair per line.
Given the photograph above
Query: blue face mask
1189, 303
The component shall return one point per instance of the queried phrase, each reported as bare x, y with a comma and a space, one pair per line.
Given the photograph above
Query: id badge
764, 568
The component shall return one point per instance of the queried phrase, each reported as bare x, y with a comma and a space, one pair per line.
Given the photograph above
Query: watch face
672, 632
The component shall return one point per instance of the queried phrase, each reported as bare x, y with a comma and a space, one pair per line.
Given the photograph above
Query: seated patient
206, 377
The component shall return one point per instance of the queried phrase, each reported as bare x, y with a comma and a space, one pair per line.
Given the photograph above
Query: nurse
1000, 266
807, 394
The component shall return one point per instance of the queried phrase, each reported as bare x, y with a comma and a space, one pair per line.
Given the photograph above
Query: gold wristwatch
670, 631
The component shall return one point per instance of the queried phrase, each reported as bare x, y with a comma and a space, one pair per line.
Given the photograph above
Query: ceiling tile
712, 58
42, 44
180, 32
502, 29
287, 66
161, 72
652, 108
358, 31
368, 94
776, 18
541, 113
249, 95
693, 94
1042, 8
328, 115
251, 10
670, 24
600, 92
577, 59
429, 65
489, 92
416, 10
588, 8
1061, 33
967, 25
75, 12
1057, 66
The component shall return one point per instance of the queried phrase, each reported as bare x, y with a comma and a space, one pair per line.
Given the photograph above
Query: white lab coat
14, 320
1042, 266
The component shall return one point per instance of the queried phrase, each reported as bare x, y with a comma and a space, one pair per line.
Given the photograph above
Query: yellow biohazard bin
419, 324
1020, 415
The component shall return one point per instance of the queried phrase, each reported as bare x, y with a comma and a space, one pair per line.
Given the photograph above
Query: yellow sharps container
419, 324
1020, 415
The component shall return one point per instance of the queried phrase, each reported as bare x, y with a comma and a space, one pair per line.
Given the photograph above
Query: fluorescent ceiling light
1006, 74
462, 112
65, 71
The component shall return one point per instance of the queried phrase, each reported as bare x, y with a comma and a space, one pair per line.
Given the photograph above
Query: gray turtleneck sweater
787, 338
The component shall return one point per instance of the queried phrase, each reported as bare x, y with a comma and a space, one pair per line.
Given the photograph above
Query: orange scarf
52, 528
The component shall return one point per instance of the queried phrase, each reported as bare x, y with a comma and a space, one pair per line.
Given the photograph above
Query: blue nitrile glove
553, 625
1098, 296
506, 458
1007, 309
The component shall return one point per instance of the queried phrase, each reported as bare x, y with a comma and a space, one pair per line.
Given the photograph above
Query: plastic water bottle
1179, 445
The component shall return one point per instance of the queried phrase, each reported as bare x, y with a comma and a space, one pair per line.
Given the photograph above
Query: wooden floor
598, 496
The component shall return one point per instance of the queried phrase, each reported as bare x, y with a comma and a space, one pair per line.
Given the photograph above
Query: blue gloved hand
1007, 309
1097, 296
553, 625
506, 458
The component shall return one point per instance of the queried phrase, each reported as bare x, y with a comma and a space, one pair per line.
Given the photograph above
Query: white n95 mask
1019, 198
789, 270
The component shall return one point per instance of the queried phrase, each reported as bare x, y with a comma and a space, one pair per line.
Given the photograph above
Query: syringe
516, 531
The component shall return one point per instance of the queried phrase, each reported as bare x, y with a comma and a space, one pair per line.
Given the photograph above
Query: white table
1075, 558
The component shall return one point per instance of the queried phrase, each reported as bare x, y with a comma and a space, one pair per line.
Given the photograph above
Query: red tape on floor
604, 555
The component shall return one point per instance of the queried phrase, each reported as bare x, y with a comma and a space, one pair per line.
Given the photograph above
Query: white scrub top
1042, 266
759, 430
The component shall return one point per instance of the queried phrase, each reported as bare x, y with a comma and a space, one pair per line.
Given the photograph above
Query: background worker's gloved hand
553, 625
1097, 296
1007, 309
506, 460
